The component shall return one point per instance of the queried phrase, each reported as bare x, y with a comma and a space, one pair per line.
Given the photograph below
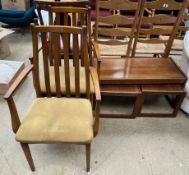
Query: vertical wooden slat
82, 19
66, 64
50, 49
50, 16
89, 36
96, 20
74, 22
66, 19
86, 61
36, 62
50, 36
134, 27
56, 55
57, 19
45, 63
76, 64
138, 27
81, 53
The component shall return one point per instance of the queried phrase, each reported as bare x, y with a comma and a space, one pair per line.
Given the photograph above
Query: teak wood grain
140, 71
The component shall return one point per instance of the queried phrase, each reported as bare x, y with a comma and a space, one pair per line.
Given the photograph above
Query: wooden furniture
153, 76
140, 77
150, 40
115, 31
52, 119
43, 5
181, 28
73, 16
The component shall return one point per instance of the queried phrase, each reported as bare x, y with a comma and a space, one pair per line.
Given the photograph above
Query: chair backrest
72, 16
116, 29
180, 29
162, 23
61, 67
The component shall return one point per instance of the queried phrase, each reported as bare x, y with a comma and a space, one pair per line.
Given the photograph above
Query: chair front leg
88, 156
27, 153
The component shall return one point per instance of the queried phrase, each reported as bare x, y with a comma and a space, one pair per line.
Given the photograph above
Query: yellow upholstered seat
57, 120
62, 81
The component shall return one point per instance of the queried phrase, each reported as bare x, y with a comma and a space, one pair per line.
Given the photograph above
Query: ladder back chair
72, 16
150, 40
114, 34
180, 31
57, 117
116, 29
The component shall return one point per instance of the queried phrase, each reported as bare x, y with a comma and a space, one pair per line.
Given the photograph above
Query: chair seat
62, 81
54, 120
177, 43
150, 48
113, 50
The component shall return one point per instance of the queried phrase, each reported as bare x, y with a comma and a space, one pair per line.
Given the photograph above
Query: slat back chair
62, 78
161, 24
73, 16
116, 29
57, 119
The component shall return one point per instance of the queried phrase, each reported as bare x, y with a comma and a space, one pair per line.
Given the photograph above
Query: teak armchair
57, 117
157, 40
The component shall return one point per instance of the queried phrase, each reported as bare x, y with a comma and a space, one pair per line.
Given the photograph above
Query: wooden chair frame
73, 16
35, 68
159, 25
113, 31
116, 22
179, 29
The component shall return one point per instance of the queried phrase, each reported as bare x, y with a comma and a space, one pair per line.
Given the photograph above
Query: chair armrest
96, 50
21, 77
95, 80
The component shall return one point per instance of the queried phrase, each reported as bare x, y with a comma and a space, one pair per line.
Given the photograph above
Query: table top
140, 71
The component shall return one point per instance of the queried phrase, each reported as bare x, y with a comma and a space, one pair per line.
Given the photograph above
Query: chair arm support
95, 80
97, 118
96, 50
15, 121
21, 77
